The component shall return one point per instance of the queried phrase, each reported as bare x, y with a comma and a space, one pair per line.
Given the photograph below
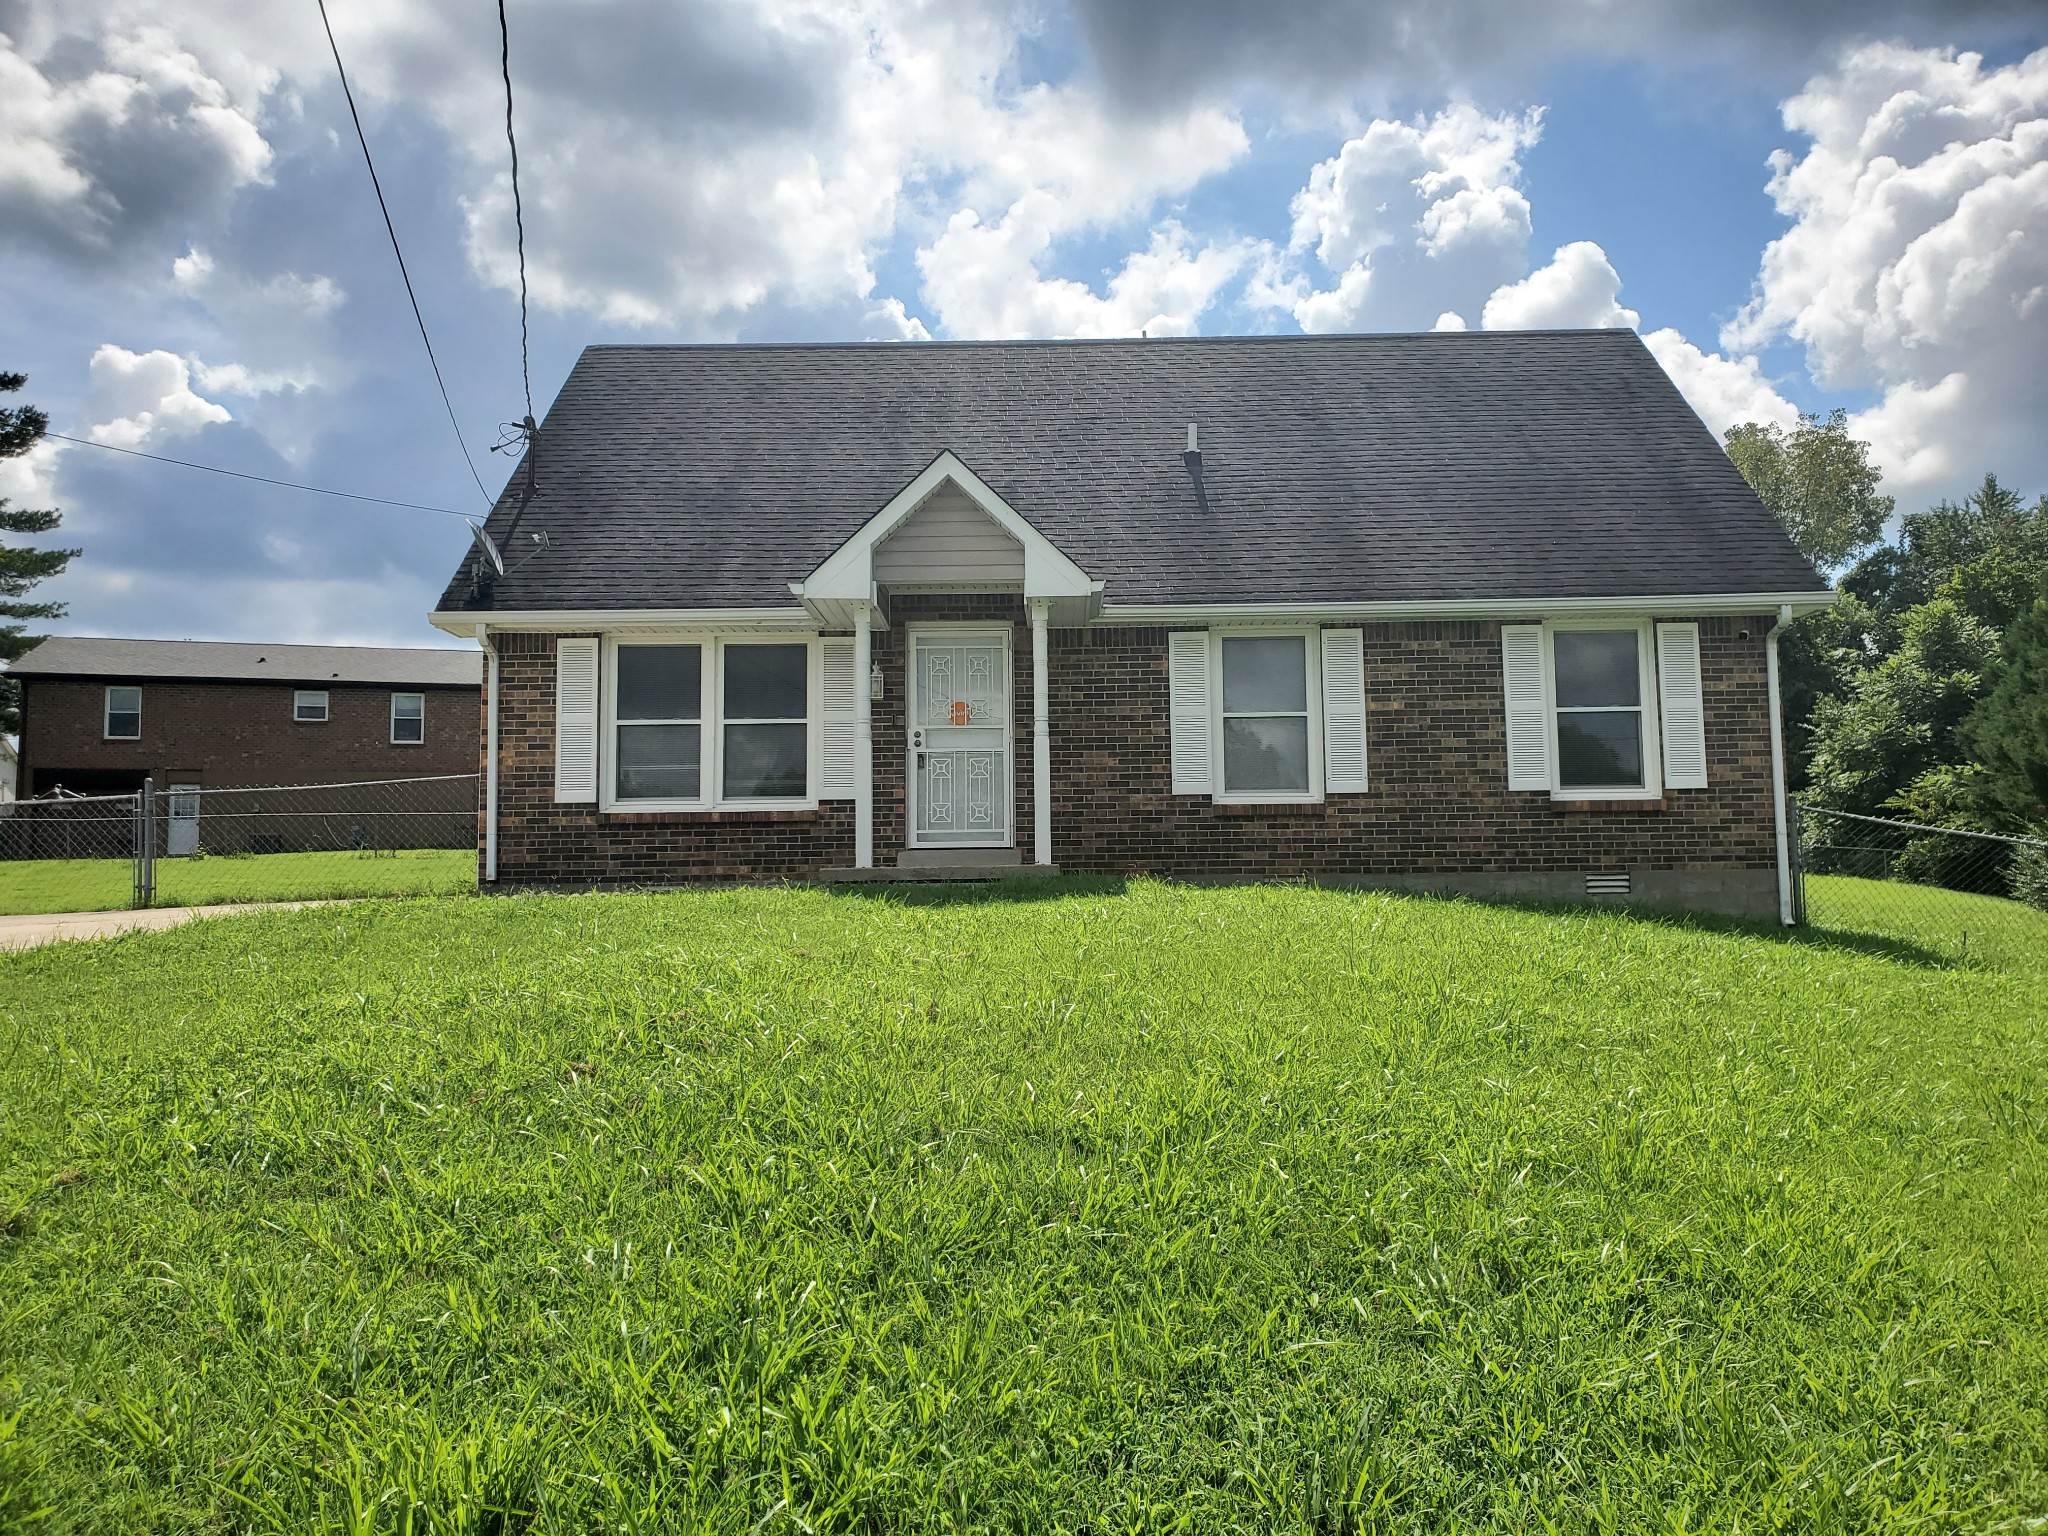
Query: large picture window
766, 696
1602, 739
660, 715
1265, 716
702, 723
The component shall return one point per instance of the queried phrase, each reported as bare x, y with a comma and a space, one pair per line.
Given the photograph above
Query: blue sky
195, 266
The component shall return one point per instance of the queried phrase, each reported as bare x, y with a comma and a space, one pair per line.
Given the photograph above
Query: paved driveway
47, 927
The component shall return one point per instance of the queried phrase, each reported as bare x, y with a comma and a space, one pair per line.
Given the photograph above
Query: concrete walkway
48, 927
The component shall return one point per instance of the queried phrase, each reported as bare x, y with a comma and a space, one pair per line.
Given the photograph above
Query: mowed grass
1949, 925
102, 885
1102, 1210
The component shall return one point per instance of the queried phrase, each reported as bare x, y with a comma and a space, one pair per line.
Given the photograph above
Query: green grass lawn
101, 885
1950, 925
1105, 1210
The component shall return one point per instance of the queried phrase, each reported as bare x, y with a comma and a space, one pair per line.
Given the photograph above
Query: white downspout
863, 743
483, 638
1041, 737
1778, 766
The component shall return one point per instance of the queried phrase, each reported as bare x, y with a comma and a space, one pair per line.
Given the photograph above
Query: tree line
1922, 693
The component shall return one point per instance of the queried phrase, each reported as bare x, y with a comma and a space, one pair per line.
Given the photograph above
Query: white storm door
959, 711
182, 833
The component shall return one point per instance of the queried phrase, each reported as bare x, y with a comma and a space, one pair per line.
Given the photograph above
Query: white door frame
181, 829
956, 629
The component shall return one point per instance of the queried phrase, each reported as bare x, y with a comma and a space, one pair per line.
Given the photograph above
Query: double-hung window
660, 734
1265, 716
408, 719
309, 705
124, 714
765, 746
1605, 728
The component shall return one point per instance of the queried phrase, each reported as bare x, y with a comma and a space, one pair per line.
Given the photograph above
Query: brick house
98, 716
1488, 613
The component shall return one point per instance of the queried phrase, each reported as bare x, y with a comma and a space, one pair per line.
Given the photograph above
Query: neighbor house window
766, 697
309, 705
660, 734
124, 714
408, 719
1265, 717
1603, 731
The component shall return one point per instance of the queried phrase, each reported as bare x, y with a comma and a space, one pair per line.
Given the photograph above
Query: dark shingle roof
235, 661
1339, 469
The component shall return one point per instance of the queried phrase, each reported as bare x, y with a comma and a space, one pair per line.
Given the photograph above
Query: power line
392, 230
518, 211
290, 485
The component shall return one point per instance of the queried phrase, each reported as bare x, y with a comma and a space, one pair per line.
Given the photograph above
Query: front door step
939, 858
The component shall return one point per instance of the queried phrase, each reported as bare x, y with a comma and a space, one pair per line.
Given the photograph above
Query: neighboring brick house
98, 716
1489, 613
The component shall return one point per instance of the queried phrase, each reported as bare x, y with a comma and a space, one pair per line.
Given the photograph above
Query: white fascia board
583, 621
1676, 605
848, 572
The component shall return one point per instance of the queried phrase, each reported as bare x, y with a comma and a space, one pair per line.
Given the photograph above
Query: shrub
2029, 876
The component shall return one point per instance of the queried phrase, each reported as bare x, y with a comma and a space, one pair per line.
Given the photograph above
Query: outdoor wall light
875, 682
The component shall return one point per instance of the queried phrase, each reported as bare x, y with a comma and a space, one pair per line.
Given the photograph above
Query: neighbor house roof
230, 661
1337, 469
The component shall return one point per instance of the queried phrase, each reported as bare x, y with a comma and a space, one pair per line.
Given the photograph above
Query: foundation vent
1607, 885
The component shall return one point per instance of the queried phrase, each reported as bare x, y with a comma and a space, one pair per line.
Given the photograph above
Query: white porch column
1041, 740
863, 743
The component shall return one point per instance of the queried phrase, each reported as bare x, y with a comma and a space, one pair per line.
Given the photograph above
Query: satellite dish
488, 550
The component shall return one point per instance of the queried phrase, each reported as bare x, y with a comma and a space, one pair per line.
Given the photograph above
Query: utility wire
290, 485
518, 212
392, 230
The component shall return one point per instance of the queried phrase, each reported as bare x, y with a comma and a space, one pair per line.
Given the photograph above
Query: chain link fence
269, 841
1951, 893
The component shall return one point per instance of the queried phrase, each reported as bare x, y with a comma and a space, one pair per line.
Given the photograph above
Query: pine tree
21, 428
2007, 732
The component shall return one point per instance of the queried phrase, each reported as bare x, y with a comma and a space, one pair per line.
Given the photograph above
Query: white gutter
483, 638
570, 621
1689, 605
1778, 765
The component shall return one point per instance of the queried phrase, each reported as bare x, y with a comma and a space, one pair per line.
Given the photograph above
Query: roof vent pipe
1193, 459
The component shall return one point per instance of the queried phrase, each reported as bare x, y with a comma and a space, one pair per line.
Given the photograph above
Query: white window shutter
1344, 711
576, 720
1528, 733
1680, 701
840, 725
1187, 657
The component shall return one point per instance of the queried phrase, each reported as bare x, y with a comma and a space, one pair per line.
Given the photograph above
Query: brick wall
241, 733
1437, 766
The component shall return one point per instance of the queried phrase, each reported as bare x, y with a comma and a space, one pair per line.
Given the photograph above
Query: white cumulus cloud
115, 134
1578, 289
1916, 266
984, 280
1414, 218
145, 398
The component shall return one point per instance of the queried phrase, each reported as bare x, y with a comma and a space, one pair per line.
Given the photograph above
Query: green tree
1900, 718
2007, 731
1818, 482
21, 428
1989, 552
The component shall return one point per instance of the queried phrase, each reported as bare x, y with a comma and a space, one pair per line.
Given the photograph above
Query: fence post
1795, 838
145, 845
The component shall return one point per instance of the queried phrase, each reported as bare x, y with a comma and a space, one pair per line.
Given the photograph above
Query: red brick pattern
221, 734
1438, 800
